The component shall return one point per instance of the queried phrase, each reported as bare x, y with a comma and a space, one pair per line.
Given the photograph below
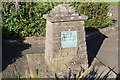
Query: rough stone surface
37, 61
64, 18
64, 12
101, 68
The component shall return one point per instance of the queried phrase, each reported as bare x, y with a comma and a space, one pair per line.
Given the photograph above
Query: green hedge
97, 13
28, 19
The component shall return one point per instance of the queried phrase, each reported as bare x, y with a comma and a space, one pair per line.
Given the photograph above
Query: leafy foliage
97, 13
28, 19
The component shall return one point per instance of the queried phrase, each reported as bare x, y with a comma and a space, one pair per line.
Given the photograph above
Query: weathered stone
64, 18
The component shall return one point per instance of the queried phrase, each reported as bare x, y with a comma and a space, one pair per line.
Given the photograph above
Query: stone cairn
65, 45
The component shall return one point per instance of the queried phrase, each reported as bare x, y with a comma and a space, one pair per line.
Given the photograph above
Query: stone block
62, 28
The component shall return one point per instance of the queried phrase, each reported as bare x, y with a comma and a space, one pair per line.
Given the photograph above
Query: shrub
26, 21
97, 14
26, 18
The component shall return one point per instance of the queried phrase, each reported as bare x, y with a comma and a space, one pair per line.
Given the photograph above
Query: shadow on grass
94, 44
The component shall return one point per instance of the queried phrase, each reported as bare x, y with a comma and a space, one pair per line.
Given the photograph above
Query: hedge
26, 18
97, 13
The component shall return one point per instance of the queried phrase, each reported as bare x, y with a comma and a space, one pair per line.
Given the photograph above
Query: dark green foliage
28, 19
97, 13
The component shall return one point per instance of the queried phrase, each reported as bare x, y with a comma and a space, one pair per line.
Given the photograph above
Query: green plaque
68, 39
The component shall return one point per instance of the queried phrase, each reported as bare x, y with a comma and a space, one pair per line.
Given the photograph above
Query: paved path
105, 49
108, 53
